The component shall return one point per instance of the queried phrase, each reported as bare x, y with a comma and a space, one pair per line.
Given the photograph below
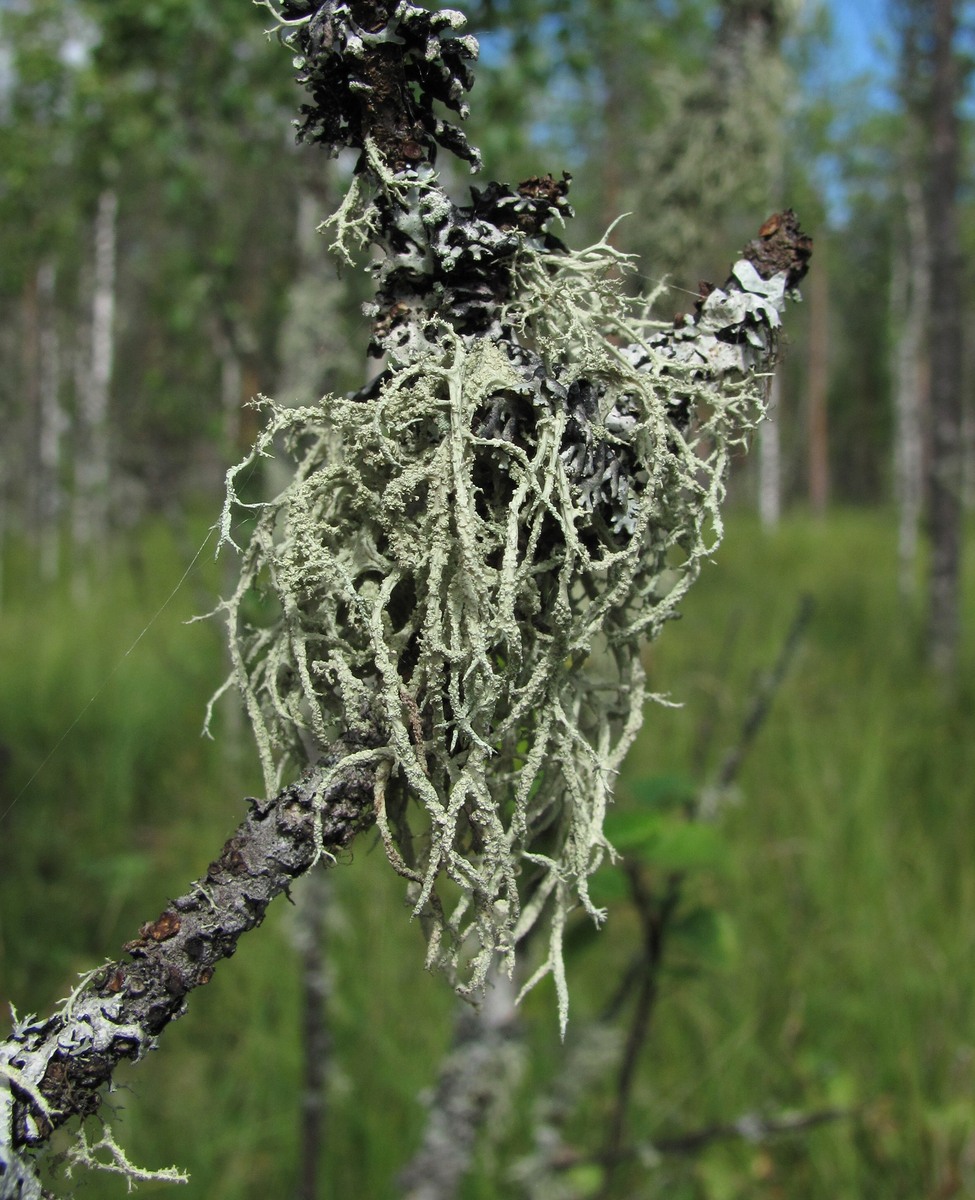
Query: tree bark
818, 417
475, 1077
92, 461
52, 423
749, 39
944, 477
769, 470
910, 280
310, 941
54, 1069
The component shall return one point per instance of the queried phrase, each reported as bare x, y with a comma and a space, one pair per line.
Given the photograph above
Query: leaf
628, 830
608, 886
584, 1180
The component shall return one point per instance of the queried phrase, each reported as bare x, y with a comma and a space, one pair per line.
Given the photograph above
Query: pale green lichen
459, 599
83, 1153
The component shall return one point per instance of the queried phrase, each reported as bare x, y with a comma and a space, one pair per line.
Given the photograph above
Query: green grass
852, 881
841, 973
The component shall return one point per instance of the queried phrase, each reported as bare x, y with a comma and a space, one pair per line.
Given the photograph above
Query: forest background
160, 266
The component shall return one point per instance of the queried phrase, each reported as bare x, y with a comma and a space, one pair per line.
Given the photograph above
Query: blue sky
862, 31
858, 24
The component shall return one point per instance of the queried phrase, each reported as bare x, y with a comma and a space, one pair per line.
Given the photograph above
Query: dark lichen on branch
376, 71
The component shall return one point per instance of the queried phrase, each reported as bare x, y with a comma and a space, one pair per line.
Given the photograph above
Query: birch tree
92, 463
910, 289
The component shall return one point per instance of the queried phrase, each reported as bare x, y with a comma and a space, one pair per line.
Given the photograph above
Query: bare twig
656, 912
763, 696
655, 917
752, 1127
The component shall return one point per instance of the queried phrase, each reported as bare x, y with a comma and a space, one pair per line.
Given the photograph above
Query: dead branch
54, 1069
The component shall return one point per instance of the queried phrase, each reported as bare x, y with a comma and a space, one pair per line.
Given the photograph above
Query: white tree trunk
769, 469
309, 934
946, 340
92, 471
231, 391
476, 1079
910, 294
52, 423
818, 393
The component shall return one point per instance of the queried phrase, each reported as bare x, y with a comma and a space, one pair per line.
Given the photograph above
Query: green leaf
584, 1180
628, 830
608, 886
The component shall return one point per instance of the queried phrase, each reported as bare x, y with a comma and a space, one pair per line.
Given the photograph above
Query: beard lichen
463, 568
460, 575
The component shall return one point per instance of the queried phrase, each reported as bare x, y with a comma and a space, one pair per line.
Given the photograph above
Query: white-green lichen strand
462, 571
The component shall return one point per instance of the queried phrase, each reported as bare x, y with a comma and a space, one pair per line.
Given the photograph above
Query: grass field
839, 889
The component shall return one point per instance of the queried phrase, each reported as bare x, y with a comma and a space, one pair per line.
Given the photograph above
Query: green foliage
671, 113
111, 737
182, 112
845, 883
664, 841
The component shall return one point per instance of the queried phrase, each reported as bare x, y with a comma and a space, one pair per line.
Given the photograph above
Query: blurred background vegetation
159, 266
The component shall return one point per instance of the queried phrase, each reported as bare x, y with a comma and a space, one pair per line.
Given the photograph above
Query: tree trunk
309, 938
944, 479
909, 307
769, 472
476, 1077
818, 419
749, 40
52, 423
92, 464
30, 391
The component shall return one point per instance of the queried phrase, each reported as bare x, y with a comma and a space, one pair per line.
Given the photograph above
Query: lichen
467, 563
83, 1153
473, 549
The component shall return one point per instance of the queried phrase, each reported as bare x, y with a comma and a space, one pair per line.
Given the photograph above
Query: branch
656, 912
582, 442
734, 328
475, 1079
752, 1127
763, 697
655, 917
54, 1069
